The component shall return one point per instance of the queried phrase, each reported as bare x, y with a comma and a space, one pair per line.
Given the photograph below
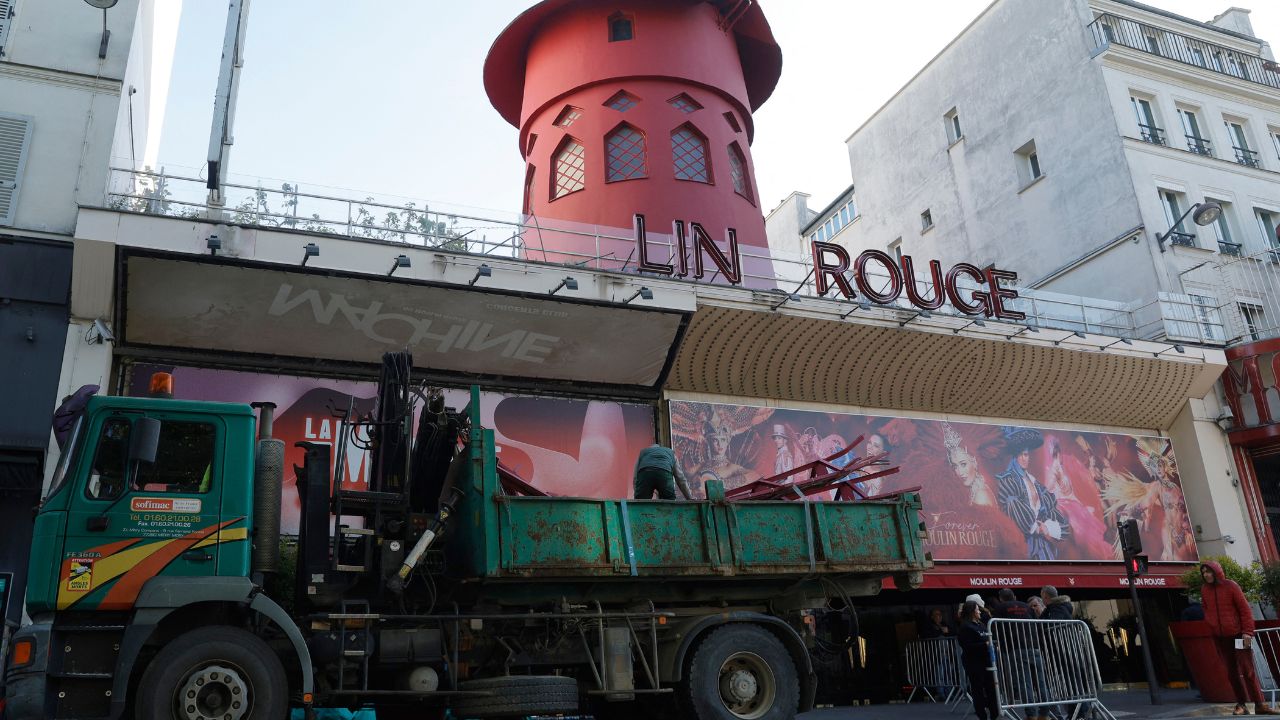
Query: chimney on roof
1235, 19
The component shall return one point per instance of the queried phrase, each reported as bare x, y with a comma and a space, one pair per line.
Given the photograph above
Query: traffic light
1130, 537
1138, 565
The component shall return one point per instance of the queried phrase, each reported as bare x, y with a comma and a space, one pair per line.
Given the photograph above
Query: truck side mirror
144, 440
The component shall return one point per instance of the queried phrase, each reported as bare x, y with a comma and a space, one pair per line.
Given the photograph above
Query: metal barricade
1266, 661
934, 666
1046, 667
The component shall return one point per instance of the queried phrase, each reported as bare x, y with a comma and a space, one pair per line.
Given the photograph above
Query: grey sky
385, 96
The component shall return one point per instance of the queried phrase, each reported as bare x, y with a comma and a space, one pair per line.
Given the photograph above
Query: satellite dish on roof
102, 4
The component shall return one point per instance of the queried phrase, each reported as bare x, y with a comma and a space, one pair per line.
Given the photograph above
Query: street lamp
1206, 213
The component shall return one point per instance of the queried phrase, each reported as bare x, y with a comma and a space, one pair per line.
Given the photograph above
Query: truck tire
517, 696
742, 672
216, 673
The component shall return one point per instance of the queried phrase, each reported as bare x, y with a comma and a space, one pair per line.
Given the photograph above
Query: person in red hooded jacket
1230, 619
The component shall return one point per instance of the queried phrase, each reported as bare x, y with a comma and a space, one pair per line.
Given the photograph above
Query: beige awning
809, 354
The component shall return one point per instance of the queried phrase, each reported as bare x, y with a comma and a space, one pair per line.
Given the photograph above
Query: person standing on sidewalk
977, 659
1024, 674
1056, 607
1231, 624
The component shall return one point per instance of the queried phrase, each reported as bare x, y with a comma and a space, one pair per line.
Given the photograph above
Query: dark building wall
35, 283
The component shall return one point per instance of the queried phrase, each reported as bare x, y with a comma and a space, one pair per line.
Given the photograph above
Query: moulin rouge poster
990, 492
583, 448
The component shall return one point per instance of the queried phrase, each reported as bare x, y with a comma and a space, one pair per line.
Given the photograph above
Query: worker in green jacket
657, 471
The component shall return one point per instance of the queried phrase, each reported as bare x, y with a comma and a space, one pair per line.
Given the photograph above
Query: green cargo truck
158, 588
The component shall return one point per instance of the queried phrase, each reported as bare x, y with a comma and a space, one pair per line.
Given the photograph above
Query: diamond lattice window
571, 169
738, 171
567, 116
689, 155
684, 103
622, 101
625, 147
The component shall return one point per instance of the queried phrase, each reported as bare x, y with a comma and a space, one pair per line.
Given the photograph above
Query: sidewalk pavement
1124, 705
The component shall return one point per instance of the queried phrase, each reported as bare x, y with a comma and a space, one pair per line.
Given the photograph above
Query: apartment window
1275, 140
1267, 226
895, 249
689, 155
621, 27
1196, 141
570, 174
1028, 158
844, 214
568, 116
738, 171
625, 149
1251, 315
926, 221
1240, 143
1222, 226
1148, 128
1109, 32
1153, 44
1174, 204
1198, 57
622, 101
952, 121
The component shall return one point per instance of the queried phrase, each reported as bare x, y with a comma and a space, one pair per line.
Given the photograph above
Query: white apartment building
1066, 141
81, 89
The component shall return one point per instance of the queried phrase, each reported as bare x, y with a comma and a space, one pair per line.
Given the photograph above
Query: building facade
1099, 125
79, 92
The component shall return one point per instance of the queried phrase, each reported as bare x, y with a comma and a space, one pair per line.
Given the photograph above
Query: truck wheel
517, 696
214, 673
742, 672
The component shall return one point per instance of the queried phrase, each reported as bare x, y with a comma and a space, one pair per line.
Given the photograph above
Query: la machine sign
834, 269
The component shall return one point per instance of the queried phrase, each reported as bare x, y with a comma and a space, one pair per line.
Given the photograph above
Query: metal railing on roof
1233, 298
1108, 29
527, 238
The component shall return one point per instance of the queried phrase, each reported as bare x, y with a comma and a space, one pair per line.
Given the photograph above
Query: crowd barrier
933, 666
1266, 661
1048, 666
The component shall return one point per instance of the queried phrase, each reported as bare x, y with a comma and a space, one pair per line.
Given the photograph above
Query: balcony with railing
1248, 157
1182, 239
512, 236
1108, 29
1199, 146
1152, 134
1230, 248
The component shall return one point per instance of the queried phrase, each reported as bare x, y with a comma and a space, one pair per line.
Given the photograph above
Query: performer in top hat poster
1026, 500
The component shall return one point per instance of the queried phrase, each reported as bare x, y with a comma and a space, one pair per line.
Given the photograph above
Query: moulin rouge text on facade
831, 266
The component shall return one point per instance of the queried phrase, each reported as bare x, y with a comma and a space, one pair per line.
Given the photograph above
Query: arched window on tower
738, 171
570, 174
689, 155
621, 27
626, 153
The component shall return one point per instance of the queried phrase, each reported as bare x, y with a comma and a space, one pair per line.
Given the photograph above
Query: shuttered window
15, 140
6, 9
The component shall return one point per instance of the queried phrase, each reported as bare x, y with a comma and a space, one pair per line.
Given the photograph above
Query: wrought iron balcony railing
1152, 134
1108, 29
1245, 156
1182, 238
1199, 146
1229, 248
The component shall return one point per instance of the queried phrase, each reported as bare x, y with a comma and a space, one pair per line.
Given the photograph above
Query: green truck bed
496, 536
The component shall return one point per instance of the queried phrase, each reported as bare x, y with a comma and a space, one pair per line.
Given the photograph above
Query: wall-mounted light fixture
309, 251
482, 271
568, 282
643, 292
214, 243
400, 261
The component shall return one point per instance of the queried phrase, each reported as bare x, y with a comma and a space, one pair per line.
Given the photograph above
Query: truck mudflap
790, 638
163, 595
25, 686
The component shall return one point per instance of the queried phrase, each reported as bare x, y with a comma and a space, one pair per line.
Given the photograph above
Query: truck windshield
69, 454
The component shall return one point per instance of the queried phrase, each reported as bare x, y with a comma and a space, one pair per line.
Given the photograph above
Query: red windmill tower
638, 108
